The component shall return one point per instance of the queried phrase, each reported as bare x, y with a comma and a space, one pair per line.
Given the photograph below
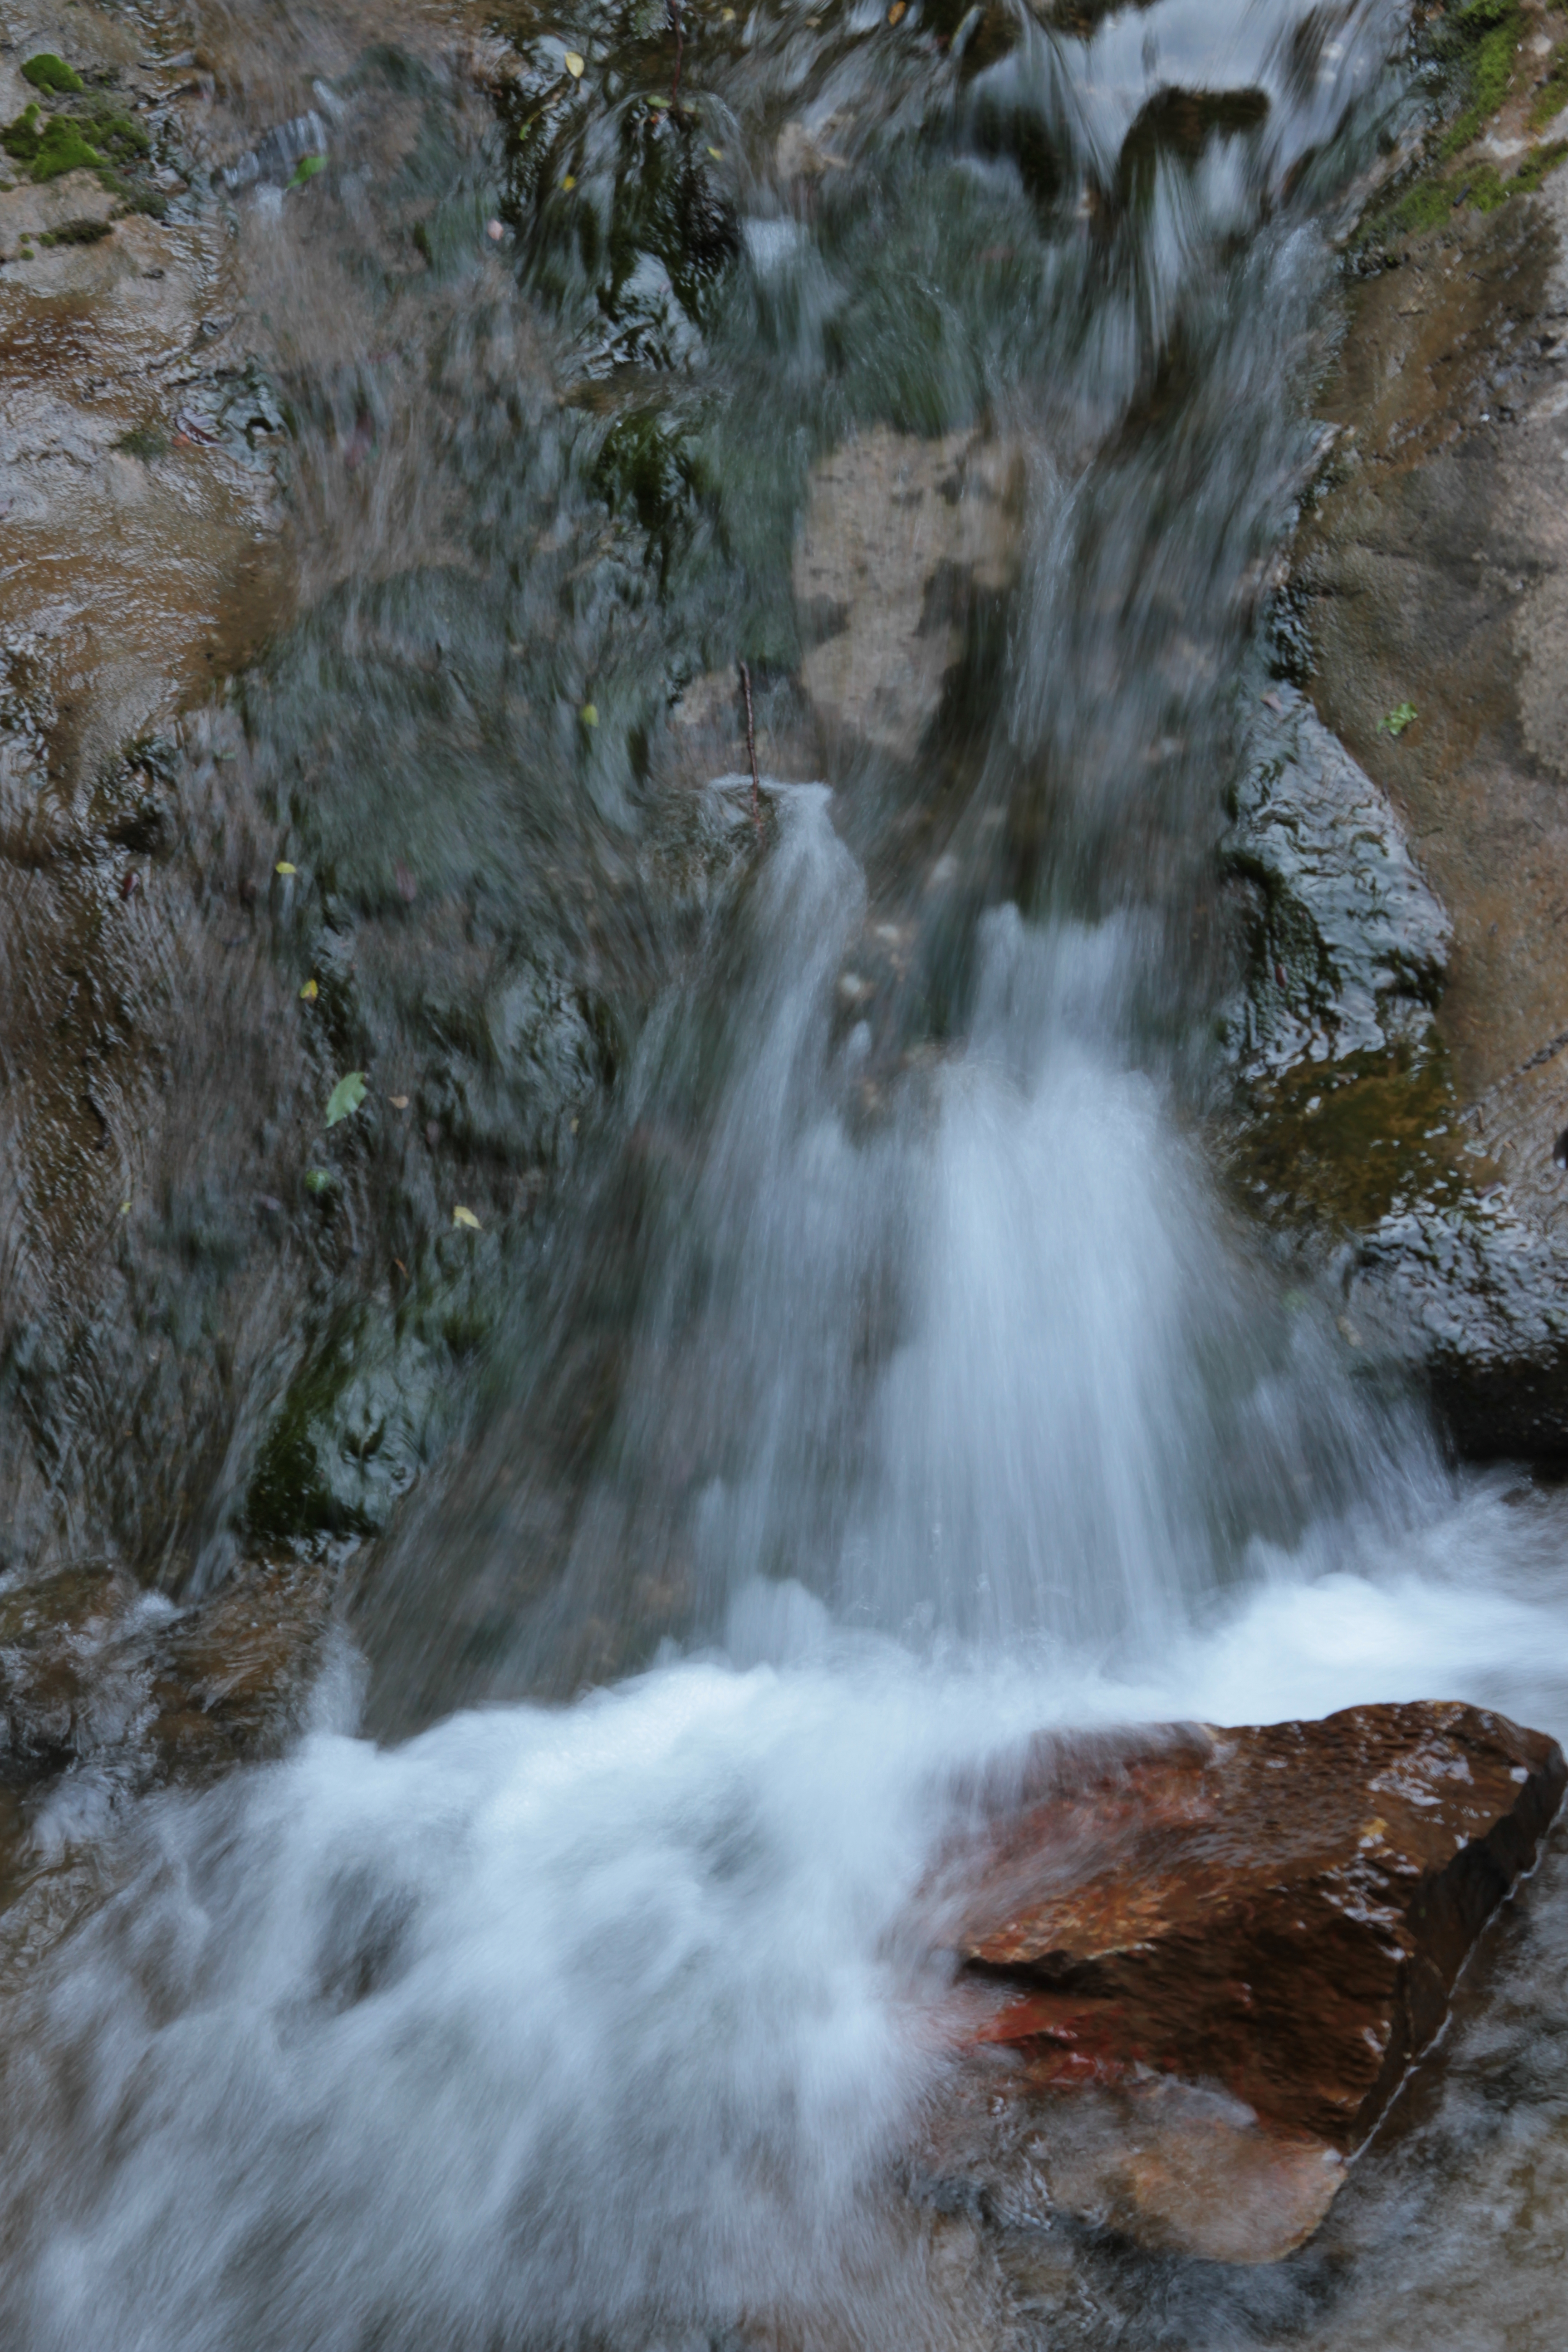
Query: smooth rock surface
899, 535
1195, 1971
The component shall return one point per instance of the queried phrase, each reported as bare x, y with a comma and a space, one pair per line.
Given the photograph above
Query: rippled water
884, 1374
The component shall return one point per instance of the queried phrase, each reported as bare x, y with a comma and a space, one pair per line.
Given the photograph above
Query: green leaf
306, 169
320, 1180
345, 1096
1397, 720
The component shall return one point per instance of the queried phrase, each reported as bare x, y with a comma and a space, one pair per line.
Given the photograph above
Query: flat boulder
1194, 1965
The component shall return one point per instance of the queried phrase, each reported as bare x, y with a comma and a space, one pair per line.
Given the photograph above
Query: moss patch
63, 148
1350, 1143
1553, 96
45, 71
1488, 33
77, 232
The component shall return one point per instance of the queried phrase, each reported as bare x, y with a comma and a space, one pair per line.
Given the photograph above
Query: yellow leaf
717, 154
896, 12
125, 1208
726, 16
283, 866
569, 184
590, 715
309, 992
573, 64
461, 1216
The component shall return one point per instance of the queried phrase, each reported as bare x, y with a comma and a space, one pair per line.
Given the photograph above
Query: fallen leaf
495, 231
283, 866
319, 1180
346, 1097
398, 1102
589, 715
1397, 719
569, 182
573, 64
896, 12
309, 992
717, 154
402, 1269
125, 1208
306, 169
466, 1217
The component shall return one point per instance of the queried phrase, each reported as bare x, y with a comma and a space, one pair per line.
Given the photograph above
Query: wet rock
900, 535
107, 1692
1430, 571
1196, 1970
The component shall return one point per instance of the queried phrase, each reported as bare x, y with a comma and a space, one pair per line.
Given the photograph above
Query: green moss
120, 136
1533, 170
144, 441
1350, 1143
63, 148
1487, 189
45, 71
77, 232
1552, 95
1424, 206
1487, 34
21, 139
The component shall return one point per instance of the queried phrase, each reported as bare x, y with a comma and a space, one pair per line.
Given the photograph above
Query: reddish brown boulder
1198, 1967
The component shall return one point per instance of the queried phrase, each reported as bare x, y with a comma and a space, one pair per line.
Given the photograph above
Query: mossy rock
45, 71
62, 149
353, 1431
77, 232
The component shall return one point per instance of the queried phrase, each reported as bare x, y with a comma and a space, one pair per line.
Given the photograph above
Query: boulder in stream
1195, 1968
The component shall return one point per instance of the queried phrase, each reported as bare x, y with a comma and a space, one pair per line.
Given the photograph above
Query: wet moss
320, 1471
1350, 1143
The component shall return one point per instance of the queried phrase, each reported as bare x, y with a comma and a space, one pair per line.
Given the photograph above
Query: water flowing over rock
1198, 1968
900, 536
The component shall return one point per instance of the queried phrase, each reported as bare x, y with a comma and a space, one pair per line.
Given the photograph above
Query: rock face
1195, 1972
900, 536
1429, 571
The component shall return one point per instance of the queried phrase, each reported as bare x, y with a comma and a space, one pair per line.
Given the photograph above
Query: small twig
673, 7
752, 750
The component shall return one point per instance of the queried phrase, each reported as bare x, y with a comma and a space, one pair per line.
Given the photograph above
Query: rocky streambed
507, 1189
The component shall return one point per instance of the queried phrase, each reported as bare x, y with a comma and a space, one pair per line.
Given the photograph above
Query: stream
853, 1355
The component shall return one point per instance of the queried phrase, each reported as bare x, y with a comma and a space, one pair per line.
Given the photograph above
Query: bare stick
673, 7
752, 750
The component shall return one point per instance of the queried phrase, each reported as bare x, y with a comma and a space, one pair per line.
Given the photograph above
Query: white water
606, 2025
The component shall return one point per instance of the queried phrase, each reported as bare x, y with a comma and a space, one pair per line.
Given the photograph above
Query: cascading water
948, 1398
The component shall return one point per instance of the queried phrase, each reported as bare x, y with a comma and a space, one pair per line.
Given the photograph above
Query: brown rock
1433, 570
1197, 1971
900, 536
